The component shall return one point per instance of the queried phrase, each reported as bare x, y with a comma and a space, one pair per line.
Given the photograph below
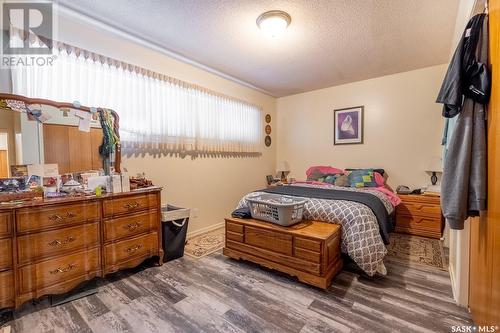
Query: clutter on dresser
403, 189
140, 181
44, 180
72, 187
272, 180
15, 189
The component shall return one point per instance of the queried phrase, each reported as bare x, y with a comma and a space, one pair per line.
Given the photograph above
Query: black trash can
174, 229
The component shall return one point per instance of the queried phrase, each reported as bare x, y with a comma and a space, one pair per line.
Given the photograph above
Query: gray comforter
361, 238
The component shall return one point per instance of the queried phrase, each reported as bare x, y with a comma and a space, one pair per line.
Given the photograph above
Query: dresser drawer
59, 270
35, 219
419, 225
125, 250
5, 225
57, 242
419, 209
6, 253
129, 204
130, 225
6, 289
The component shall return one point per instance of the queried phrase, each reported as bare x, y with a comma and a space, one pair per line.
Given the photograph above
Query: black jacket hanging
466, 76
465, 93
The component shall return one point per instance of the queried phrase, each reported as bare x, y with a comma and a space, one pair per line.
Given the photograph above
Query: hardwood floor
217, 294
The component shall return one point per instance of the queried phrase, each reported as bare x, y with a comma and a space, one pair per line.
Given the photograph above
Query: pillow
379, 175
316, 172
362, 178
380, 171
379, 179
330, 178
342, 180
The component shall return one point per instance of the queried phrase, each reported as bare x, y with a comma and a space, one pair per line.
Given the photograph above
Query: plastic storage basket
275, 208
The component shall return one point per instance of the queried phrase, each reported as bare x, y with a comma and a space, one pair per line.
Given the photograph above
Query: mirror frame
60, 105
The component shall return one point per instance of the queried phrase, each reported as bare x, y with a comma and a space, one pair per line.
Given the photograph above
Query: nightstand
420, 215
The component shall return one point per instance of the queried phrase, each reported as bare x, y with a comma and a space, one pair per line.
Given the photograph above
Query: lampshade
283, 167
435, 164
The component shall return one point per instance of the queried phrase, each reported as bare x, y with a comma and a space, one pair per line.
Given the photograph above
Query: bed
363, 232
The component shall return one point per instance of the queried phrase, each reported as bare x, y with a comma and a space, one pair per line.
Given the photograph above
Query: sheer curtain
155, 113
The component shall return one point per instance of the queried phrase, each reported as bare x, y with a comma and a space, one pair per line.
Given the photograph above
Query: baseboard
453, 283
458, 295
205, 230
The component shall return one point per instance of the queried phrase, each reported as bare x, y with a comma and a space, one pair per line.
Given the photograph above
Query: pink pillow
379, 179
326, 170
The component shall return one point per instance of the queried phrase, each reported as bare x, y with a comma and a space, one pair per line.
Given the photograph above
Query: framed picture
348, 126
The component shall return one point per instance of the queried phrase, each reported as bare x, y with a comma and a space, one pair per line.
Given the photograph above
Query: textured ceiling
329, 42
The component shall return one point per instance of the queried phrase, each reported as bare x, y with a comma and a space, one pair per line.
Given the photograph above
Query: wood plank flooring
216, 294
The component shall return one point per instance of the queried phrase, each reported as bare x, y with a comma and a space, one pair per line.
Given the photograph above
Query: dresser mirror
38, 131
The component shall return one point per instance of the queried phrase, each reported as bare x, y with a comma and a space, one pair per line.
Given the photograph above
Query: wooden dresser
51, 246
309, 250
420, 215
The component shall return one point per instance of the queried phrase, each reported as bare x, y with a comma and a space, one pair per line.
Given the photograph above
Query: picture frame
348, 125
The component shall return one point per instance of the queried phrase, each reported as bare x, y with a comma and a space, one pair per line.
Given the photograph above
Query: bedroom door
484, 291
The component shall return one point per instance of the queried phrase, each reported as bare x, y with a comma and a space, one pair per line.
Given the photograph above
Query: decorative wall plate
268, 129
268, 118
267, 141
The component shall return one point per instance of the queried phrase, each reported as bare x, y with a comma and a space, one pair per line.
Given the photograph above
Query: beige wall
213, 186
403, 126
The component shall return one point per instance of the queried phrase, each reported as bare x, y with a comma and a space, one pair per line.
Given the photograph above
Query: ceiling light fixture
274, 23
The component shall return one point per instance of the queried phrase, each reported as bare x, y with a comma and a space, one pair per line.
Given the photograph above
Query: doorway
4, 156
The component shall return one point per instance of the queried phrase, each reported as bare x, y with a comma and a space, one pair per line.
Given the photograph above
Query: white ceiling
329, 42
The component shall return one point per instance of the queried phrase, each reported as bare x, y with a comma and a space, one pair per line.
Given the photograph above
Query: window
155, 112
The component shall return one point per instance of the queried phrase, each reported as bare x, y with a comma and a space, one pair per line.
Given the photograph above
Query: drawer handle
63, 270
133, 248
57, 242
132, 226
57, 217
131, 205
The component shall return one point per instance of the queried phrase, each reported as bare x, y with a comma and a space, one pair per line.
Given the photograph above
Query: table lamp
283, 169
435, 165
